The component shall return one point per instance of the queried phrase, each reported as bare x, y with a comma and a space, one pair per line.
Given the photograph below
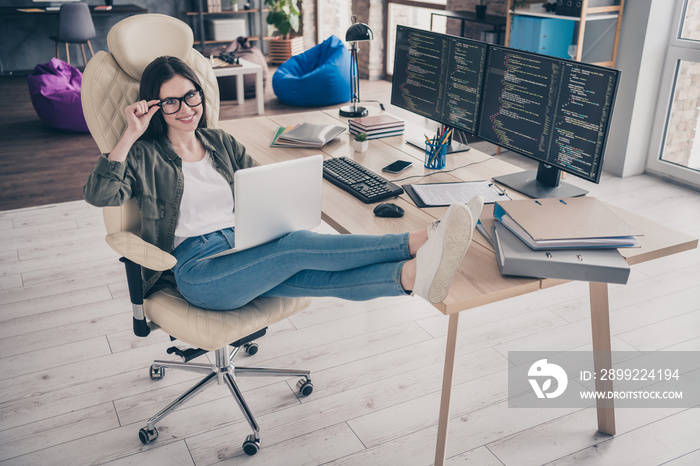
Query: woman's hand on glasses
138, 116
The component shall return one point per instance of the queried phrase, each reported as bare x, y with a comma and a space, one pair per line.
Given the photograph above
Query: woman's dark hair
160, 70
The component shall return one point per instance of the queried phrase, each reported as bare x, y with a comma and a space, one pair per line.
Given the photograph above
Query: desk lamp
358, 32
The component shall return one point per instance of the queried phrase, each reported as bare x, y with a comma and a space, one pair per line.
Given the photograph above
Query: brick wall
370, 56
308, 23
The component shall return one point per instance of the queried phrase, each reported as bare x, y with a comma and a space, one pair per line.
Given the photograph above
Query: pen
446, 136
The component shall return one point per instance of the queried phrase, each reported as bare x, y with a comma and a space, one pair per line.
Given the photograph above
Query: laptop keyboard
362, 183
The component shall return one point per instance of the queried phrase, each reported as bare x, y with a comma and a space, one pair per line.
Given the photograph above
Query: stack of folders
570, 239
305, 135
376, 126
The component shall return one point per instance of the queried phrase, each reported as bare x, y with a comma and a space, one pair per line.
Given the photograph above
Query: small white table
246, 67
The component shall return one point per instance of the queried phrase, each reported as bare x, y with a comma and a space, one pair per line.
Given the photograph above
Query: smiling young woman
181, 174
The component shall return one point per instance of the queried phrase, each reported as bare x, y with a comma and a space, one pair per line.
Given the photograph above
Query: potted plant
360, 143
284, 16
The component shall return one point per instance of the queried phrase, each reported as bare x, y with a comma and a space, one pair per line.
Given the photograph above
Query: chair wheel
147, 436
251, 445
156, 372
305, 386
251, 348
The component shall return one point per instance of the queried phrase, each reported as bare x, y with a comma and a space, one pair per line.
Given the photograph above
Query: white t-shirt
207, 202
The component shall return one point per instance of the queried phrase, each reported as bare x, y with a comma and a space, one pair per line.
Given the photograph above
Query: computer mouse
388, 209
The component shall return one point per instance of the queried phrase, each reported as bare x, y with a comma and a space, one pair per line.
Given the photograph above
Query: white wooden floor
74, 385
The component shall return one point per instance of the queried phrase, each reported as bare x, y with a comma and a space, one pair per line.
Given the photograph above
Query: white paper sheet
437, 194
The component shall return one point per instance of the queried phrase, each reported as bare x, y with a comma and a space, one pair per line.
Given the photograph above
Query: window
675, 144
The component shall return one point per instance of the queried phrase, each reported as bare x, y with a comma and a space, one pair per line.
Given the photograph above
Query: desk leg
447, 377
600, 323
260, 92
239, 89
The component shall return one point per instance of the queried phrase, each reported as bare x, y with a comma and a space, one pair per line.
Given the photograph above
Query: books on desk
376, 126
306, 135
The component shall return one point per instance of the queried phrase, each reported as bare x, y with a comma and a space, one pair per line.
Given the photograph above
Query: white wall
642, 49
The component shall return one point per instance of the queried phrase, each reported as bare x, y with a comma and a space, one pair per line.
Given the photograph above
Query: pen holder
435, 155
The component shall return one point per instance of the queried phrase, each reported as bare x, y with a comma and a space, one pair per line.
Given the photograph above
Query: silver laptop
276, 199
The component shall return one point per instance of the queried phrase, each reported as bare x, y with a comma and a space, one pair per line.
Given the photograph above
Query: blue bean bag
316, 78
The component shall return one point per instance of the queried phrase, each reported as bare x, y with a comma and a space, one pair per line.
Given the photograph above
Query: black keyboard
362, 183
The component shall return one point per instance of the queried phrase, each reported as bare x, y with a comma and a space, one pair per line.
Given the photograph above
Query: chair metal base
224, 371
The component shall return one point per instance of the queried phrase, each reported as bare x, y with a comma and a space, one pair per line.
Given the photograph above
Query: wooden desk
478, 280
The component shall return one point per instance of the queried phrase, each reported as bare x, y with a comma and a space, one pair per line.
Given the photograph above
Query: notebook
276, 199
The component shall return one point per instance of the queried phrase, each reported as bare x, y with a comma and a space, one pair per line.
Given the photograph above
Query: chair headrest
138, 40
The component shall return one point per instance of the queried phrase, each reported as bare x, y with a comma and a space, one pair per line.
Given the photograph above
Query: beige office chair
110, 83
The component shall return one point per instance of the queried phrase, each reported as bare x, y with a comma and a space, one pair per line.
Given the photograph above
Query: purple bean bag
55, 91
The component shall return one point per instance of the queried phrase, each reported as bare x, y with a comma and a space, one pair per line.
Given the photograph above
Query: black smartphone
397, 167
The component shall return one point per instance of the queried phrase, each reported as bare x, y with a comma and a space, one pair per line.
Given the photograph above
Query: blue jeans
302, 263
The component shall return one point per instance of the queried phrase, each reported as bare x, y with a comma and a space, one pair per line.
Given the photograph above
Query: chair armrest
141, 252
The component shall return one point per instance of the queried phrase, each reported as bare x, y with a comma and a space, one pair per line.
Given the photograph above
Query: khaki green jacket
152, 175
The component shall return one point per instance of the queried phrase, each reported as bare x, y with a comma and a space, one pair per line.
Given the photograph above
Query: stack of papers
444, 194
305, 135
377, 126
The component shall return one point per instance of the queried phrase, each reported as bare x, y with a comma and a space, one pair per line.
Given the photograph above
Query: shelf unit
597, 13
252, 14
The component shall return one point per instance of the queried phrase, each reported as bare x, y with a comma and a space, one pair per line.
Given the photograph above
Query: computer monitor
439, 77
552, 110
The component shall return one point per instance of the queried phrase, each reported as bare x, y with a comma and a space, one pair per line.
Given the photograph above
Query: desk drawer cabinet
548, 36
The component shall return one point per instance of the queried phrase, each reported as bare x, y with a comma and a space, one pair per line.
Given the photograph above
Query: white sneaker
448, 240
475, 205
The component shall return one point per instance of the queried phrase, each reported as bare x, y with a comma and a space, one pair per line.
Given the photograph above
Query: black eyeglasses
172, 104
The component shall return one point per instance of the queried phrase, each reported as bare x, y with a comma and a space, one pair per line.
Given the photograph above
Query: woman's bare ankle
408, 275
416, 239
